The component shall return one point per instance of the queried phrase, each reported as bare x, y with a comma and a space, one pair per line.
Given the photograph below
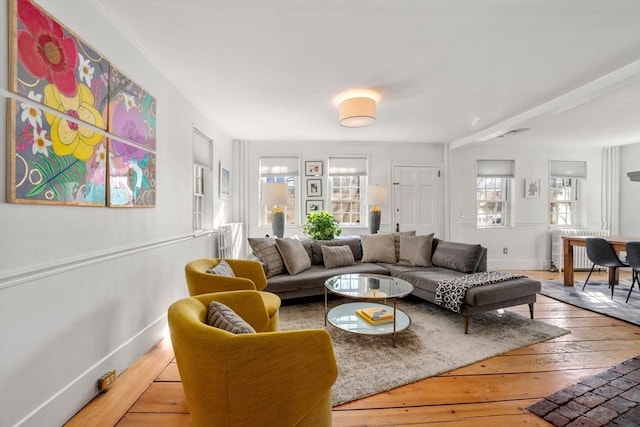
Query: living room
85, 290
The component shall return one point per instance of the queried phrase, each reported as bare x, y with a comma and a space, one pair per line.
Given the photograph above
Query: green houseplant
322, 225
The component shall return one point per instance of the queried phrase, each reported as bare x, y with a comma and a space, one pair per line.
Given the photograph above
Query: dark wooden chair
600, 252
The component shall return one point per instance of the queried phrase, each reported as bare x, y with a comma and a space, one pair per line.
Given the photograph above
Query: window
202, 181
564, 201
284, 169
347, 178
493, 193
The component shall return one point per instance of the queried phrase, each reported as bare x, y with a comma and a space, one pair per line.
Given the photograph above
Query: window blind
496, 168
564, 168
348, 166
278, 166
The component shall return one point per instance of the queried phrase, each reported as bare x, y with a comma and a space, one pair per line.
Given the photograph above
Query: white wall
381, 157
85, 290
629, 191
528, 241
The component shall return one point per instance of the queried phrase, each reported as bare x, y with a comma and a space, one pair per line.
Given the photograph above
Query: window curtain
611, 190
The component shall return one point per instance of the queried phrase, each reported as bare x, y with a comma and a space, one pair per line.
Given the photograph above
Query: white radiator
580, 259
229, 240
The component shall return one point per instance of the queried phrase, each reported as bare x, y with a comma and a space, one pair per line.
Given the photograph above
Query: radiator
229, 241
580, 259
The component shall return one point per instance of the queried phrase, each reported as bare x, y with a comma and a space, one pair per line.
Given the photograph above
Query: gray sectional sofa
424, 267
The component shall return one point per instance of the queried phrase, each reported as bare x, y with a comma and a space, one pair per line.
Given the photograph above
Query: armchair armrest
252, 270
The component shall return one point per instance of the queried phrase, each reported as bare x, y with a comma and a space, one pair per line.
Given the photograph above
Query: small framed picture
314, 188
531, 188
225, 182
313, 168
314, 206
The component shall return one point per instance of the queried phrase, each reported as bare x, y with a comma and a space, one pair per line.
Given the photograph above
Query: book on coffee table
375, 315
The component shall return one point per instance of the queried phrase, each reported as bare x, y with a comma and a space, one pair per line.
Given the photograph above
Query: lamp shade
274, 193
377, 195
357, 112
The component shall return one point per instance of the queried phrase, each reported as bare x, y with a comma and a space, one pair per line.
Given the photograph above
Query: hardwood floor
493, 392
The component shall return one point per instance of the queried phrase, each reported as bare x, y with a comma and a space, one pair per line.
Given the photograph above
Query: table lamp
376, 195
275, 193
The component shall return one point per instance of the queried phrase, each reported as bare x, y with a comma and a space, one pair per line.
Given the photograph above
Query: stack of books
375, 315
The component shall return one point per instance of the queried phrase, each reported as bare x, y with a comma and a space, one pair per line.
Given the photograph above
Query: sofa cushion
222, 317
352, 242
416, 250
337, 256
294, 256
461, 257
396, 240
267, 252
222, 269
378, 248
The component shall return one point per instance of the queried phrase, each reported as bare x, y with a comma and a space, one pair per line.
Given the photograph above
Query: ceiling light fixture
357, 107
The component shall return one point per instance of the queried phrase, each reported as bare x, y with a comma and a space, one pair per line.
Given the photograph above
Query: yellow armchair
279, 378
249, 276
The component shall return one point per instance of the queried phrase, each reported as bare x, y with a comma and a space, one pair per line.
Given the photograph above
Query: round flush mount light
357, 107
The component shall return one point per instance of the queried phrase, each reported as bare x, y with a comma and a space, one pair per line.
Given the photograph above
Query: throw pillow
337, 256
378, 248
352, 242
266, 250
396, 240
463, 257
222, 317
416, 250
294, 255
222, 269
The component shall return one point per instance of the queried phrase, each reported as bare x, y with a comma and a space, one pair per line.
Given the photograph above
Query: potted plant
322, 225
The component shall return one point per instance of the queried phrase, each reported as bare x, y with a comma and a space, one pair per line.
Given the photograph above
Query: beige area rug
434, 343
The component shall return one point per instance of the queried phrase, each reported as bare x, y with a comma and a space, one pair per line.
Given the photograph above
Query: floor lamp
275, 193
376, 195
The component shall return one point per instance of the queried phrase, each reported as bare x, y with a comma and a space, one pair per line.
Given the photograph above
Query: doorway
417, 199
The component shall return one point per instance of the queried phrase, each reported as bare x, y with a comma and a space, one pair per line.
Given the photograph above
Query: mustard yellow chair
279, 378
249, 276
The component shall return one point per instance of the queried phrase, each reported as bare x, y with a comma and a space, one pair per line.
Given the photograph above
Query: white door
417, 199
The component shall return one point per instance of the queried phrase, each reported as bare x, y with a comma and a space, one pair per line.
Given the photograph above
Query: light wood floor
493, 392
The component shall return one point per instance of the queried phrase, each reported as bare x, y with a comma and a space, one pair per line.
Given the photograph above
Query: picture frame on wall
225, 182
313, 168
531, 188
314, 188
314, 206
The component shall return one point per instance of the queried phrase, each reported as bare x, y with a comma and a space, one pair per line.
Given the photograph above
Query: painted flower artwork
50, 56
132, 175
132, 111
47, 167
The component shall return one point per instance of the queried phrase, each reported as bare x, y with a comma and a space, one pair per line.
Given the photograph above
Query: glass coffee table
363, 288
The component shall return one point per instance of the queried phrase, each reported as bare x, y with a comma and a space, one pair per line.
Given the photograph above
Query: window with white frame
347, 178
494, 180
202, 181
281, 169
564, 198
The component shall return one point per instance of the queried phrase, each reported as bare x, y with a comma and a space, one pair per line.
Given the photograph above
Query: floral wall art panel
52, 66
53, 160
132, 111
132, 175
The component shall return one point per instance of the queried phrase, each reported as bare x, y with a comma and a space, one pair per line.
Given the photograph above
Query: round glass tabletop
344, 317
369, 286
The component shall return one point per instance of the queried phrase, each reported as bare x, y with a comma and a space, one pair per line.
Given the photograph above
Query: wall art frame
314, 206
314, 187
224, 182
531, 188
313, 168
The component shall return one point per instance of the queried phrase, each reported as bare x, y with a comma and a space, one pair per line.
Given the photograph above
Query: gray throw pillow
461, 257
378, 248
222, 269
416, 250
352, 242
267, 252
337, 256
222, 317
396, 240
294, 255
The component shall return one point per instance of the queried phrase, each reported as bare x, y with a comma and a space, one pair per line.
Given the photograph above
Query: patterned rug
610, 398
597, 297
434, 343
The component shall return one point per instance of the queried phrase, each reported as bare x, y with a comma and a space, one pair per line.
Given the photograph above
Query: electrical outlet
105, 381
505, 250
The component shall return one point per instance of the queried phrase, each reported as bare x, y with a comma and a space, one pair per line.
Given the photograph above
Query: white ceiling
449, 71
